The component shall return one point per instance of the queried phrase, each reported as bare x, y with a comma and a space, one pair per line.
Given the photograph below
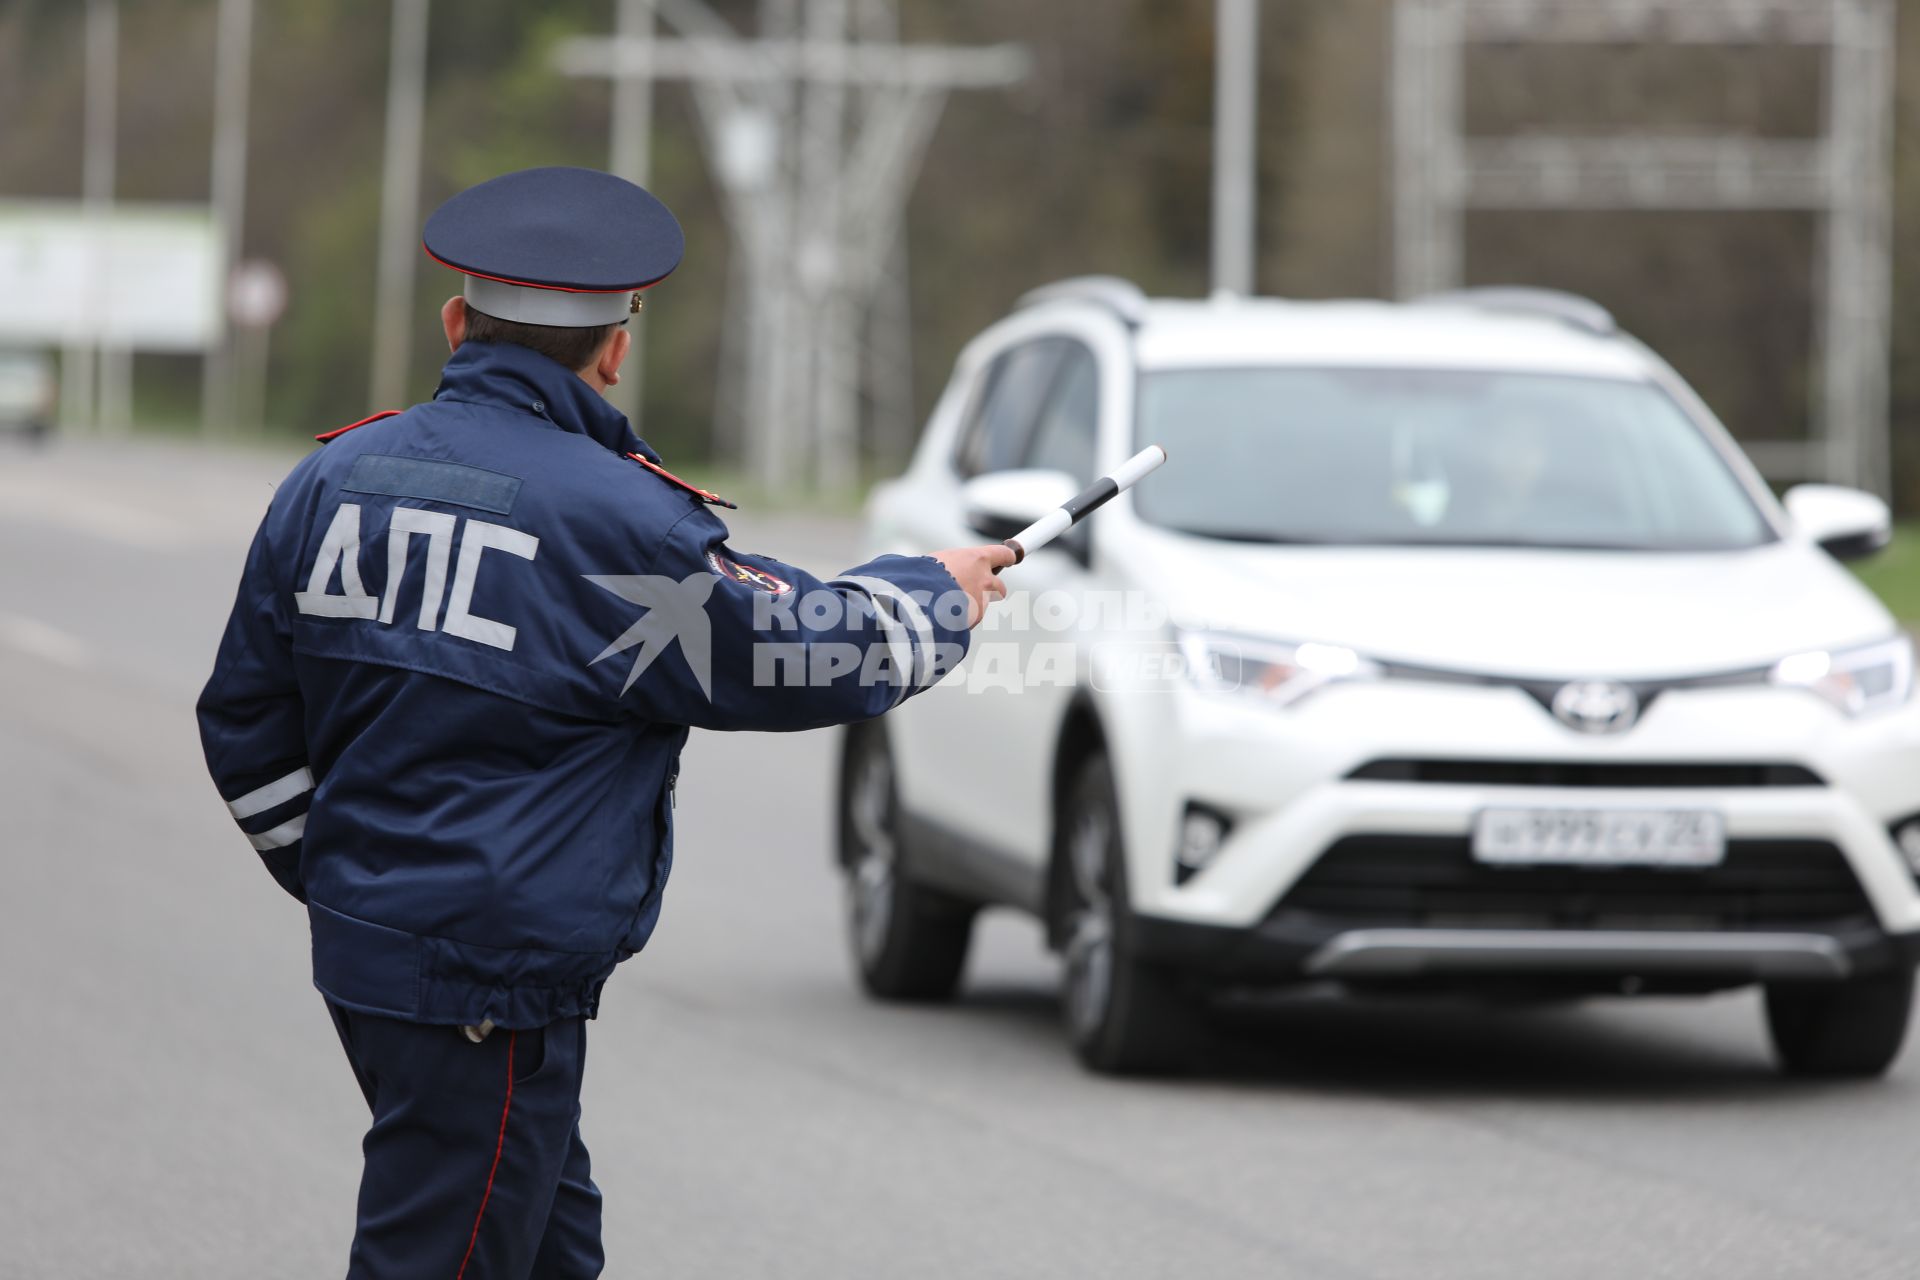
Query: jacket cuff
929, 604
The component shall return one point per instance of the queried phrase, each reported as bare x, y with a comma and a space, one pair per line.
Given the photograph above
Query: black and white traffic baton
1092, 498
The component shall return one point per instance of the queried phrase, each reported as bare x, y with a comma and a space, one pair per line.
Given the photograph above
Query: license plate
1600, 837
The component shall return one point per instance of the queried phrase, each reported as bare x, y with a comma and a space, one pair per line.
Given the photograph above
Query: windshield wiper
1519, 544
1251, 535
1266, 538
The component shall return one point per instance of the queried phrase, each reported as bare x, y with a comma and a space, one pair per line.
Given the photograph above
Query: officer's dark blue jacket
468, 644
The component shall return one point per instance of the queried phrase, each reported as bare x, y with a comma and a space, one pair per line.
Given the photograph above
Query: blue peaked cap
556, 246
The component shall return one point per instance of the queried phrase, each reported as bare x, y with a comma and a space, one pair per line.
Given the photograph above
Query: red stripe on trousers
499, 1146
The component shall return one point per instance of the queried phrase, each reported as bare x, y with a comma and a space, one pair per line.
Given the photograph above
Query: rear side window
1001, 421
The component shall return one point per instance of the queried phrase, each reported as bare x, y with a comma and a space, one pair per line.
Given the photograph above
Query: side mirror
1847, 523
1002, 503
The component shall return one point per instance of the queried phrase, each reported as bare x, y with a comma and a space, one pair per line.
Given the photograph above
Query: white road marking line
44, 640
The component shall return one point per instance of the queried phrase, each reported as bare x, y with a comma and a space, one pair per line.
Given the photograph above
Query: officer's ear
453, 318
612, 355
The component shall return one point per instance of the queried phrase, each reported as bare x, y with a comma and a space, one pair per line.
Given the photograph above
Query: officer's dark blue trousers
474, 1165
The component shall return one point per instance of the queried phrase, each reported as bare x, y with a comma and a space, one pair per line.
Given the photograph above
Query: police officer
448, 708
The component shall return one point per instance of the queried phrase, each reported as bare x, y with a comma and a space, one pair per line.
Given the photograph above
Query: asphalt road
175, 1104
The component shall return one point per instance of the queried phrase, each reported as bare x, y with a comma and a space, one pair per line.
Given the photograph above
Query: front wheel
1840, 1029
1124, 1015
909, 942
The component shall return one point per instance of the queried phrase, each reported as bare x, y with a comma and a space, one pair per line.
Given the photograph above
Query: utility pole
1236, 93
232, 72
80, 362
630, 148
889, 324
823, 139
814, 188
399, 204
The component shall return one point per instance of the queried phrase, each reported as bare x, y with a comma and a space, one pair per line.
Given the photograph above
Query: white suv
1495, 668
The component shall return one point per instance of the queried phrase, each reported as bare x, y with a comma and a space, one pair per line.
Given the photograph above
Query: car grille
1385, 881
1584, 773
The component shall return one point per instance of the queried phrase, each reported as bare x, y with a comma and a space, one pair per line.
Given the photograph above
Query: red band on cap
528, 284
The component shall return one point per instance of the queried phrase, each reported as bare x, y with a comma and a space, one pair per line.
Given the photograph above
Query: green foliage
1894, 574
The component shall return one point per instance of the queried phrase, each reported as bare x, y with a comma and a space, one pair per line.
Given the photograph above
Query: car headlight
1870, 678
1277, 674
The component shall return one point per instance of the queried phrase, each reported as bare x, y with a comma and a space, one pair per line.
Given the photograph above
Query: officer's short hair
574, 348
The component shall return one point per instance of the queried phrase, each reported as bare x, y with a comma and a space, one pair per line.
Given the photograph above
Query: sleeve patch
747, 575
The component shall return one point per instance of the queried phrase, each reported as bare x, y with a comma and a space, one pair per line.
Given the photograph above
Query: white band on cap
527, 305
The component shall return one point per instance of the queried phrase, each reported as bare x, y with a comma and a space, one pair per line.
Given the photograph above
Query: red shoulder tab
325, 436
705, 495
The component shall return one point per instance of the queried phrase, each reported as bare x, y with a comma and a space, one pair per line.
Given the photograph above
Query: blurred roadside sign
134, 276
257, 294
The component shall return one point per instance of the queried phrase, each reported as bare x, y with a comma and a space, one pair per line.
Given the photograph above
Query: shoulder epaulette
705, 495
325, 436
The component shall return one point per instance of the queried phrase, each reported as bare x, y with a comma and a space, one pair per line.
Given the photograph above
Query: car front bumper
1292, 949
1825, 792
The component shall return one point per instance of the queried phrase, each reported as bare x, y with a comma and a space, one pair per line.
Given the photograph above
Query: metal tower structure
1843, 175
814, 139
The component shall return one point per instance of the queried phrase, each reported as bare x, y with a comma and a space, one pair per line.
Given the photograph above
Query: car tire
1842, 1029
909, 942
1124, 1015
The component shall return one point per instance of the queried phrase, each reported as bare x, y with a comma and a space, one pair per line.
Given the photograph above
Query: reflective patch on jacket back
432, 481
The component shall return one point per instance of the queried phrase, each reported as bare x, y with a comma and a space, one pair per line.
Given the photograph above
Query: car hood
1548, 613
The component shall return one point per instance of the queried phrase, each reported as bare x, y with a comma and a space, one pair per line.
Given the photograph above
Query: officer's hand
973, 568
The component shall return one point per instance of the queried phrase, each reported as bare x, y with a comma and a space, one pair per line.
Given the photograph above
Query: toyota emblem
1596, 706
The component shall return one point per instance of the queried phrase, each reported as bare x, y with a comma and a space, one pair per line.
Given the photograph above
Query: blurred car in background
1475, 658
27, 393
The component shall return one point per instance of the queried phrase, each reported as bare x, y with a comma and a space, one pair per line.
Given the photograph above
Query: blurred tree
1099, 162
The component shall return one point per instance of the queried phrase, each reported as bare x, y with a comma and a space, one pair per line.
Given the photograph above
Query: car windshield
1444, 458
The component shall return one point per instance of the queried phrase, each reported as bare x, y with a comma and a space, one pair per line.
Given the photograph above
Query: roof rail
1525, 300
1122, 297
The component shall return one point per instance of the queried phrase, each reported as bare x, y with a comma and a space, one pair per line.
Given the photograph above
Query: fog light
1202, 832
1907, 836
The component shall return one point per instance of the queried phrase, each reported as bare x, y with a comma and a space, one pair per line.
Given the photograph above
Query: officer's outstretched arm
251, 724
720, 639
